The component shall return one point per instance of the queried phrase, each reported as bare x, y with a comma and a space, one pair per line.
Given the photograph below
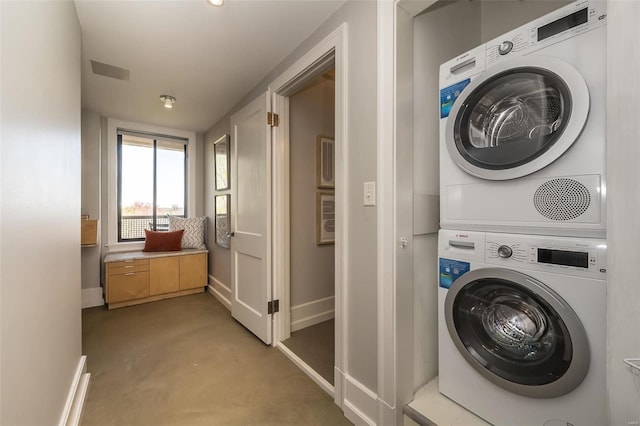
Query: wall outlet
369, 194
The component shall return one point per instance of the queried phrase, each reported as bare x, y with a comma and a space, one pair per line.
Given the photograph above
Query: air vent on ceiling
110, 71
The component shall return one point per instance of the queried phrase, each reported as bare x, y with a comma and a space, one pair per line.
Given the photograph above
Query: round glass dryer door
517, 118
517, 332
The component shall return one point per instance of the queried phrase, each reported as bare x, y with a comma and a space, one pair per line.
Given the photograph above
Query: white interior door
251, 213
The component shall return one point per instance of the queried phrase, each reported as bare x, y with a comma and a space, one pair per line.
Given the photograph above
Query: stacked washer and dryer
522, 295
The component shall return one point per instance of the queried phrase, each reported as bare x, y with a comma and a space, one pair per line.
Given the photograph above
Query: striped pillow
194, 228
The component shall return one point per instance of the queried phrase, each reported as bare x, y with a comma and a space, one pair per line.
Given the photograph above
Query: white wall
40, 186
623, 205
312, 113
91, 194
361, 284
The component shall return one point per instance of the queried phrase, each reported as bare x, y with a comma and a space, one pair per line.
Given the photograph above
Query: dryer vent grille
562, 199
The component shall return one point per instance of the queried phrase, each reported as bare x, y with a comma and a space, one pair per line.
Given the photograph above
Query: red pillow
162, 240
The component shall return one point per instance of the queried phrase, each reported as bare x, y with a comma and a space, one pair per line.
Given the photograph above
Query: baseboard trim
92, 297
320, 381
73, 408
220, 291
338, 381
387, 414
312, 313
360, 404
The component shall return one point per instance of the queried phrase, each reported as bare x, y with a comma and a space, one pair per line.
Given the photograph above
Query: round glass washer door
517, 118
517, 332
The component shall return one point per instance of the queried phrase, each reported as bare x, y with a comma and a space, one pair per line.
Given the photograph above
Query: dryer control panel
572, 256
569, 21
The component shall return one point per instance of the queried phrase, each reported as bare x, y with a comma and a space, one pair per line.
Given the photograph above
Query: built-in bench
136, 277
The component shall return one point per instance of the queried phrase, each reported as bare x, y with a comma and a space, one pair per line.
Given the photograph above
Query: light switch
369, 193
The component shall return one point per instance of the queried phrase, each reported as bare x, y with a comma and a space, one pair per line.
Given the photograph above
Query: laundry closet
442, 32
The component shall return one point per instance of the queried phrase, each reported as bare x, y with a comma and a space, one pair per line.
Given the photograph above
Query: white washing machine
522, 128
522, 324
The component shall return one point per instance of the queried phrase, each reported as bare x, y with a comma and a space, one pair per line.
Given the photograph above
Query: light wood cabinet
193, 271
139, 277
164, 274
127, 280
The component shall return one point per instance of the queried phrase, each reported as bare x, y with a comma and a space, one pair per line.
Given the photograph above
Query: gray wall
361, 287
40, 193
200, 182
312, 113
219, 257
91, 194
431, 48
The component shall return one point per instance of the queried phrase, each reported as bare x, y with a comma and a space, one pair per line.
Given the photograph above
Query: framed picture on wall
325, 162
223, 220
222, 162
325, 218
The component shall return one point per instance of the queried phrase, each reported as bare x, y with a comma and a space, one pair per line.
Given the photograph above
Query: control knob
505, 251
505, 47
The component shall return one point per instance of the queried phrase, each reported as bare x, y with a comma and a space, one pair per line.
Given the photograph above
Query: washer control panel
505, 251
516, 252
574, 256
505, 47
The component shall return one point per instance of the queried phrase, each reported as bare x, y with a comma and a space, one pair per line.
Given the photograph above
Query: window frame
110, 175
155, 139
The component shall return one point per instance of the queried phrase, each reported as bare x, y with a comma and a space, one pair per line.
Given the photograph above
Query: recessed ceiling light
168, 101
216, 2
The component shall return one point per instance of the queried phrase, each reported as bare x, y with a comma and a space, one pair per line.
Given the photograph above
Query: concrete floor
315, 345
185, 361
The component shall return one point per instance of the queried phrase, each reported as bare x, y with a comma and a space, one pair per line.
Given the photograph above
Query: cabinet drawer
126, 266
127, 286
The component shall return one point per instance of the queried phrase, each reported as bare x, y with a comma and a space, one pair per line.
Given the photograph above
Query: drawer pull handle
129, 266
130, 273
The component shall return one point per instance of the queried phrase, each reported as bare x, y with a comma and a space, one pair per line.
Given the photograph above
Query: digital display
579, 259
556, 27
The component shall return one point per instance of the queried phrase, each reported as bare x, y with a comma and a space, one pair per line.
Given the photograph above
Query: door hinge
273, 307
273, 119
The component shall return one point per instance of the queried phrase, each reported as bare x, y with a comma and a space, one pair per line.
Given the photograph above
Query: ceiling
207, 57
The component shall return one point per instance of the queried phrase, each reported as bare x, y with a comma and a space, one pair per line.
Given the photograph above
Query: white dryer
522, 326
522, 128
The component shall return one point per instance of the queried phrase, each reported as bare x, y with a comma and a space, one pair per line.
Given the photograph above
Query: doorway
312, 224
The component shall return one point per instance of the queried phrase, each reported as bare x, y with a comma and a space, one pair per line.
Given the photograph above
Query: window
151, 183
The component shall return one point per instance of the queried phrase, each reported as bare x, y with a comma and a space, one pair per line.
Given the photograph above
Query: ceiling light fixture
216, 2
168, 101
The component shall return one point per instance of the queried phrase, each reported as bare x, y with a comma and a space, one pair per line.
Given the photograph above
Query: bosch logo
462, 235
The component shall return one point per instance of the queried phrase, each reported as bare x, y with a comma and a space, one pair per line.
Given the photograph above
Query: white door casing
251, 210
331, 48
